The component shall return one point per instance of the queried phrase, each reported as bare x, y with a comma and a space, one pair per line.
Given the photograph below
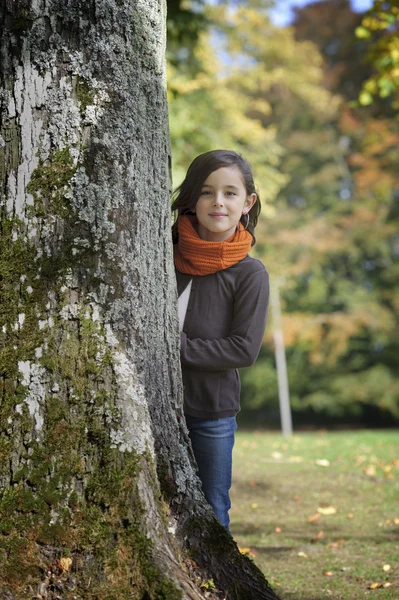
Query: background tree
331, 221
98, 494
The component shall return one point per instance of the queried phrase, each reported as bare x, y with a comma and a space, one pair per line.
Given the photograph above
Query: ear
249, 202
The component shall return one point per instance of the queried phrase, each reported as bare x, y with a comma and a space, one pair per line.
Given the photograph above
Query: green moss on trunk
71, 493
49, 183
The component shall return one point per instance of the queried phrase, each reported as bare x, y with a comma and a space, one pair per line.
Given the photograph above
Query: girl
223, 298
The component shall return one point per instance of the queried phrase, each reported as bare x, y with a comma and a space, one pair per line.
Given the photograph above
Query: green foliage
185, 22
211, 111
380, 28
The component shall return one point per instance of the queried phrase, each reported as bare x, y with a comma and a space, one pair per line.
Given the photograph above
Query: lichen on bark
72, 486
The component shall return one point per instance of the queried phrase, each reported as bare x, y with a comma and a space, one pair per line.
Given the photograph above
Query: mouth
217, 215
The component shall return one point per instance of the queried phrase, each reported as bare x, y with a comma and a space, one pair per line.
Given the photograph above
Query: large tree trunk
99, 498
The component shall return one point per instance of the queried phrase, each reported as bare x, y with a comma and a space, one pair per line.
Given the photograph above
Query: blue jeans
212, 441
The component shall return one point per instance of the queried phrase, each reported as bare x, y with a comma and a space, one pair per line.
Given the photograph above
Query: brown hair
185, 197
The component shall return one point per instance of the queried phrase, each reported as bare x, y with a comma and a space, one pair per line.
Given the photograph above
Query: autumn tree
335, 232
98, 494
331, 220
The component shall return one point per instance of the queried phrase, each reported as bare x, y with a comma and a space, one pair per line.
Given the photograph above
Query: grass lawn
319, 512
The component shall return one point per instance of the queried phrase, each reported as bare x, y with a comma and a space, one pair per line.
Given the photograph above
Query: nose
218, 199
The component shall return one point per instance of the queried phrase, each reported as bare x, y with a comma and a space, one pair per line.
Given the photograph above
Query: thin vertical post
281, 363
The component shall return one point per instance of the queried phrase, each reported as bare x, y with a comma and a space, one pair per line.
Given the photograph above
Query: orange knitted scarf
195, 256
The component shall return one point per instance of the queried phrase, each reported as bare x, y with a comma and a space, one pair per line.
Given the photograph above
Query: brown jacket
223, 331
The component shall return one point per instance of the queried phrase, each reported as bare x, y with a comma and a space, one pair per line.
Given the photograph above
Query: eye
231, 193
205, 193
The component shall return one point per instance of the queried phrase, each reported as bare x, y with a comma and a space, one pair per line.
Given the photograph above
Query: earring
247, 220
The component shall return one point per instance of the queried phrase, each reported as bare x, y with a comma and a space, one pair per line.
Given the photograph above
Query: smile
217, 216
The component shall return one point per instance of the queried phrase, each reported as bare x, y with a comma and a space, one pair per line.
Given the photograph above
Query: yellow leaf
295, 459
254, 505
248, 552
374, 586
65, 563
362, 32
386, 584
209, 584
327, 510
313, 517
318, 536
350, 515
277, 529
322, 462
277, 455
328, 573
370, 471
365, 98
386, 568
302, 554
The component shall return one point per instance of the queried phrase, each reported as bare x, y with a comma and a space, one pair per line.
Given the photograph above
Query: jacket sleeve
241, 347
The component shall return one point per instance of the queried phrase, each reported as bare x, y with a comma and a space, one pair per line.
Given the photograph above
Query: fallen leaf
370, 471
252, 483
277, 529
248, 552
254, 505
297, 499
65, 563
328, 573
350, 515
295, 459
337, 543
322, 462
318, 536
375, 585
313, 518
277, 455
386, 568
327, 510
302, 554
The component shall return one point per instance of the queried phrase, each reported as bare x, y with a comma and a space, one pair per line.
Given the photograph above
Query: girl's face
222, 201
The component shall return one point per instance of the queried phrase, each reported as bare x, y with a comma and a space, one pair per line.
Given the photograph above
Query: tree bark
99, 497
